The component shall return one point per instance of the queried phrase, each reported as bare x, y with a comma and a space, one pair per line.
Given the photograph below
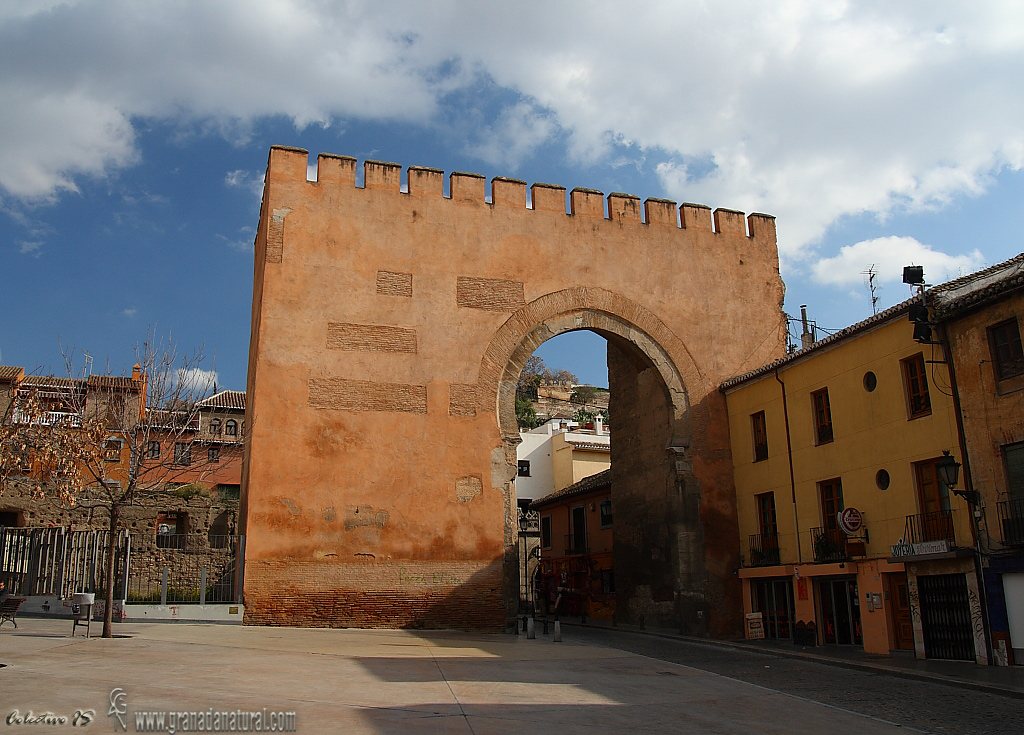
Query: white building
559, 453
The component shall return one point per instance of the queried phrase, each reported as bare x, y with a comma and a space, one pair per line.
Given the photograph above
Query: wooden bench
9, 609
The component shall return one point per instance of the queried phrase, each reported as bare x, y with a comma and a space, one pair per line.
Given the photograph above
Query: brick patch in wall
365, 395
390, 283
401, 594
492, 294
463, 399
275, 235
370, 338
467, 488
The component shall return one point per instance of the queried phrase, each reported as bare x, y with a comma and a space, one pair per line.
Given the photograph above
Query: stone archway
669, 591
389, 325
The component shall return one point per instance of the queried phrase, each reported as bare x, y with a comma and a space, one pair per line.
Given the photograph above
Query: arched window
231, 428
215, 427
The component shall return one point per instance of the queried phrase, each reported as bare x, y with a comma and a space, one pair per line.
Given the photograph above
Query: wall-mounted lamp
948, 469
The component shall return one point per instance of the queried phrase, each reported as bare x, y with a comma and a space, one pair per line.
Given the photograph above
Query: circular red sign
850, 520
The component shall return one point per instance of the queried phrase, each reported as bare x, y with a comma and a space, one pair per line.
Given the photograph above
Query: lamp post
948, 471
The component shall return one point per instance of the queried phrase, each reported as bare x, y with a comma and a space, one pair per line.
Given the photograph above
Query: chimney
807, 334
599, 424
136, 372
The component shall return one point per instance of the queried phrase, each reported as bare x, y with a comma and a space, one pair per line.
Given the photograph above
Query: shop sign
902, 548
850, 520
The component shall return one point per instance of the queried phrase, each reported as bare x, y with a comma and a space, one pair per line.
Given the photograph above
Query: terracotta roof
948, 299
873, 321
584, 444
113, 381
587, 485
225, 399
970, 291
9, 372
51, 381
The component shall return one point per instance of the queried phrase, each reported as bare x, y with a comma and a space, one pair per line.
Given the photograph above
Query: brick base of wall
413, 594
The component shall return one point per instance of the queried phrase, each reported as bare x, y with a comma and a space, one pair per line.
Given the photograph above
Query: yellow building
850, 429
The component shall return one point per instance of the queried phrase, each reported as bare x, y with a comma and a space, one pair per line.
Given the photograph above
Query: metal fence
59, 561
185, 568
166, 569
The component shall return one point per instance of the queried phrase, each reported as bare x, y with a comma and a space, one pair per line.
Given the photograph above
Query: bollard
531, 629
558, 632
583, 618
642, 626
524, 623
545, 631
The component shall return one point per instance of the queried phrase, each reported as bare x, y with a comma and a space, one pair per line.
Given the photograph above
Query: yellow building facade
847, 536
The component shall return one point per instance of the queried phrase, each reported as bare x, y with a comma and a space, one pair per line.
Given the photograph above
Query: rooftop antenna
88, 363
869, 281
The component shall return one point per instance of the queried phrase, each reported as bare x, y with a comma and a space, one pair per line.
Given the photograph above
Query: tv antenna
88, 363
869, 281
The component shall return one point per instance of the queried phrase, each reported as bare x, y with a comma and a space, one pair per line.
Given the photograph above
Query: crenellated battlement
290, 164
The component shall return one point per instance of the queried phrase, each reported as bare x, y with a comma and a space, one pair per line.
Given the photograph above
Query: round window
870, 381
882, 479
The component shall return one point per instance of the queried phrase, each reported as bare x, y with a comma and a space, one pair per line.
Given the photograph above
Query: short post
545, 631
558, 632
531, 629
163, 588
202, 586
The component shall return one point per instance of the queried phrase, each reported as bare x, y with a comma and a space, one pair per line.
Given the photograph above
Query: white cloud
889, 255
806, 110
518, 130
130, 312
196, 380
242, 179
30, 247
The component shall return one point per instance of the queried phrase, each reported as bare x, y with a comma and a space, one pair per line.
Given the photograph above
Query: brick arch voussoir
591, 308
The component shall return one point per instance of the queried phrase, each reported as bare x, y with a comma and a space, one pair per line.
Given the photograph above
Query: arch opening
659, 573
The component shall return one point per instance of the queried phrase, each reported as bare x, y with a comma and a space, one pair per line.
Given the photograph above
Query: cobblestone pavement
931, 707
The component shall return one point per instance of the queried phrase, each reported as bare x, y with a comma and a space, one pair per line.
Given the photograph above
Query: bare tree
44, 445
116, 440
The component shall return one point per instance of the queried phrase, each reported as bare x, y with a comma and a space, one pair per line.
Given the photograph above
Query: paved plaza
387, 681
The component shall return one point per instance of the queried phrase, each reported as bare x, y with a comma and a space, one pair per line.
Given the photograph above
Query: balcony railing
934, 526
576, 544
50, 418
1011, 521
764, 550
829, 544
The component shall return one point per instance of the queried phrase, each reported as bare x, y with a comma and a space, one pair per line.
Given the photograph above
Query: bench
9, 609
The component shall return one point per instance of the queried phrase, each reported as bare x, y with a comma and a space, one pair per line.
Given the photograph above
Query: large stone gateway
388, 331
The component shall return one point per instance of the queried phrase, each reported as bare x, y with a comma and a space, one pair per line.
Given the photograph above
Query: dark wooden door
899, 608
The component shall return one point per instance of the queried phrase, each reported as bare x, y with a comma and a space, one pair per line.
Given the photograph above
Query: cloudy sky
133, 139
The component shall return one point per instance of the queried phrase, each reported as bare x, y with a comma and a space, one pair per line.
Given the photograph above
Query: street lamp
948, 470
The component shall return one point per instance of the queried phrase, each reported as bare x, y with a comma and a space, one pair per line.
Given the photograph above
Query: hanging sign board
850, 520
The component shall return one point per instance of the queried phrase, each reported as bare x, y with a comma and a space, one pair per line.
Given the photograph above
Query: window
231, 427
578, 539
183, 454
915, 380
830, 493
545, 532
822, 416
1013, 454
213, 454
524, 468
112, 450
760, 434
606, 513
1007, 354
766, 521
215, 427
608, 581
171, 529
153, 450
